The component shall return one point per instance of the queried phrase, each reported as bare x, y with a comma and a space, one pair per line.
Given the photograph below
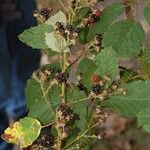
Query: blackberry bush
83, 34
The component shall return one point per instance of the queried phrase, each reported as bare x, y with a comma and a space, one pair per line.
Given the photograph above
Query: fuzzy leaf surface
107, 63
86, 67
125, 37
39, 106
35, 36
136, 99
144, 119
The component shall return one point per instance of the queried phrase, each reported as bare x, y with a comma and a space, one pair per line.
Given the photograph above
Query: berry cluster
66, 112
94, 17
46, 140
67, 30
61, 77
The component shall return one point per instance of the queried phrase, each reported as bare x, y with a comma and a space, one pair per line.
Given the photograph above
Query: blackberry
46, 140
96, 88
61, 77
45, 12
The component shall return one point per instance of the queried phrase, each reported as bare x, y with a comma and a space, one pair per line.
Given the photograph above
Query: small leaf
109, 15
125, 37
83, 35
23, 133
35, 36
87, 67
107, 63
59, 17
144, 119
56, 43
136, 99
147, 14
50, 53
81, 13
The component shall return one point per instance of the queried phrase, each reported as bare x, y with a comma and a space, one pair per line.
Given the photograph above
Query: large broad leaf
136, 99
107, 63
40, 106
147, 14
125, 37
110, 14
23, 133
35, 36
144, 119
87, 68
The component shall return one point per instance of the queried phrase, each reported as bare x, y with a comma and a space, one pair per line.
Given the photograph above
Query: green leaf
50, 53
83, 35
39, 106
82, 13
56, 43
107, 63
125, 37
23, 133
35, 36
147, 14
86, 67
136, 99
146, 53
59, 17
144, 119
110, 14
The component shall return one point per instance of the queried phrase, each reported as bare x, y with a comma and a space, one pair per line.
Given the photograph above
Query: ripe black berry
96, 88
61, 77
45, 12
